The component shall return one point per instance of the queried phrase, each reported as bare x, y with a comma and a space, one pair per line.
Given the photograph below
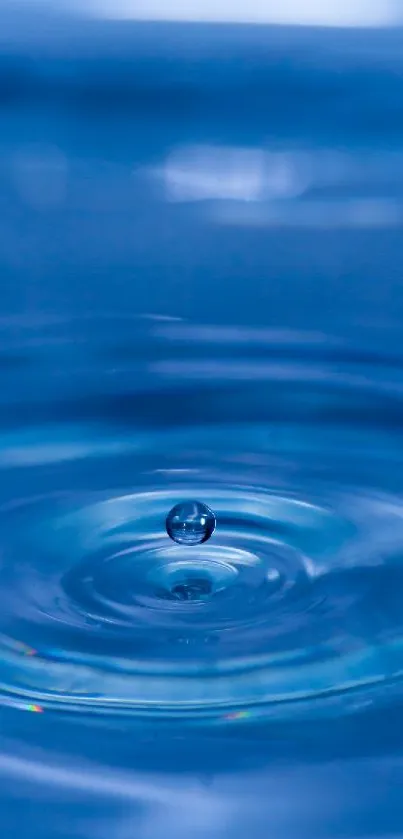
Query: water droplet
190, 523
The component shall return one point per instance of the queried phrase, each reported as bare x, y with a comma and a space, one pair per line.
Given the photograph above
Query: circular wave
294, 604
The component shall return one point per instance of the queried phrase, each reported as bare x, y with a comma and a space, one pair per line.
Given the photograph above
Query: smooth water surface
201, 299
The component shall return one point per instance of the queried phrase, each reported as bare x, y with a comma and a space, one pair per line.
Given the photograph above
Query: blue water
201, 298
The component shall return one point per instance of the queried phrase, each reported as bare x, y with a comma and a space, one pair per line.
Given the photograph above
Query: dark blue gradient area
201, 297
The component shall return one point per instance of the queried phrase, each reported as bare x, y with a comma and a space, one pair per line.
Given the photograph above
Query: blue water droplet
190, 523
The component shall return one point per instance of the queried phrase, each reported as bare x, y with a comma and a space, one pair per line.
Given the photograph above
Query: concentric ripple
281, 610
293, 607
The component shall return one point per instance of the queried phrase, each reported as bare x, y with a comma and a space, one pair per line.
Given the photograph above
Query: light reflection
204, 173
260, 187
371, 213
366, 13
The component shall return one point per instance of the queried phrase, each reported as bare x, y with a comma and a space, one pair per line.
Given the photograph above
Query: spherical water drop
190, 523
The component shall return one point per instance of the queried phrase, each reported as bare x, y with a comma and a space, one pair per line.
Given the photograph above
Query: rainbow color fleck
238, 715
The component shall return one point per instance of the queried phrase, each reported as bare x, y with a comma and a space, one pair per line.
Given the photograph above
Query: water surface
200, 247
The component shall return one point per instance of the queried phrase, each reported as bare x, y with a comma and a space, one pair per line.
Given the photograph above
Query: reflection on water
201, 300
302, 188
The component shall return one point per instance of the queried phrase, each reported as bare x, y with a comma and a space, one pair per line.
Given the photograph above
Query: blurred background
179, 146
